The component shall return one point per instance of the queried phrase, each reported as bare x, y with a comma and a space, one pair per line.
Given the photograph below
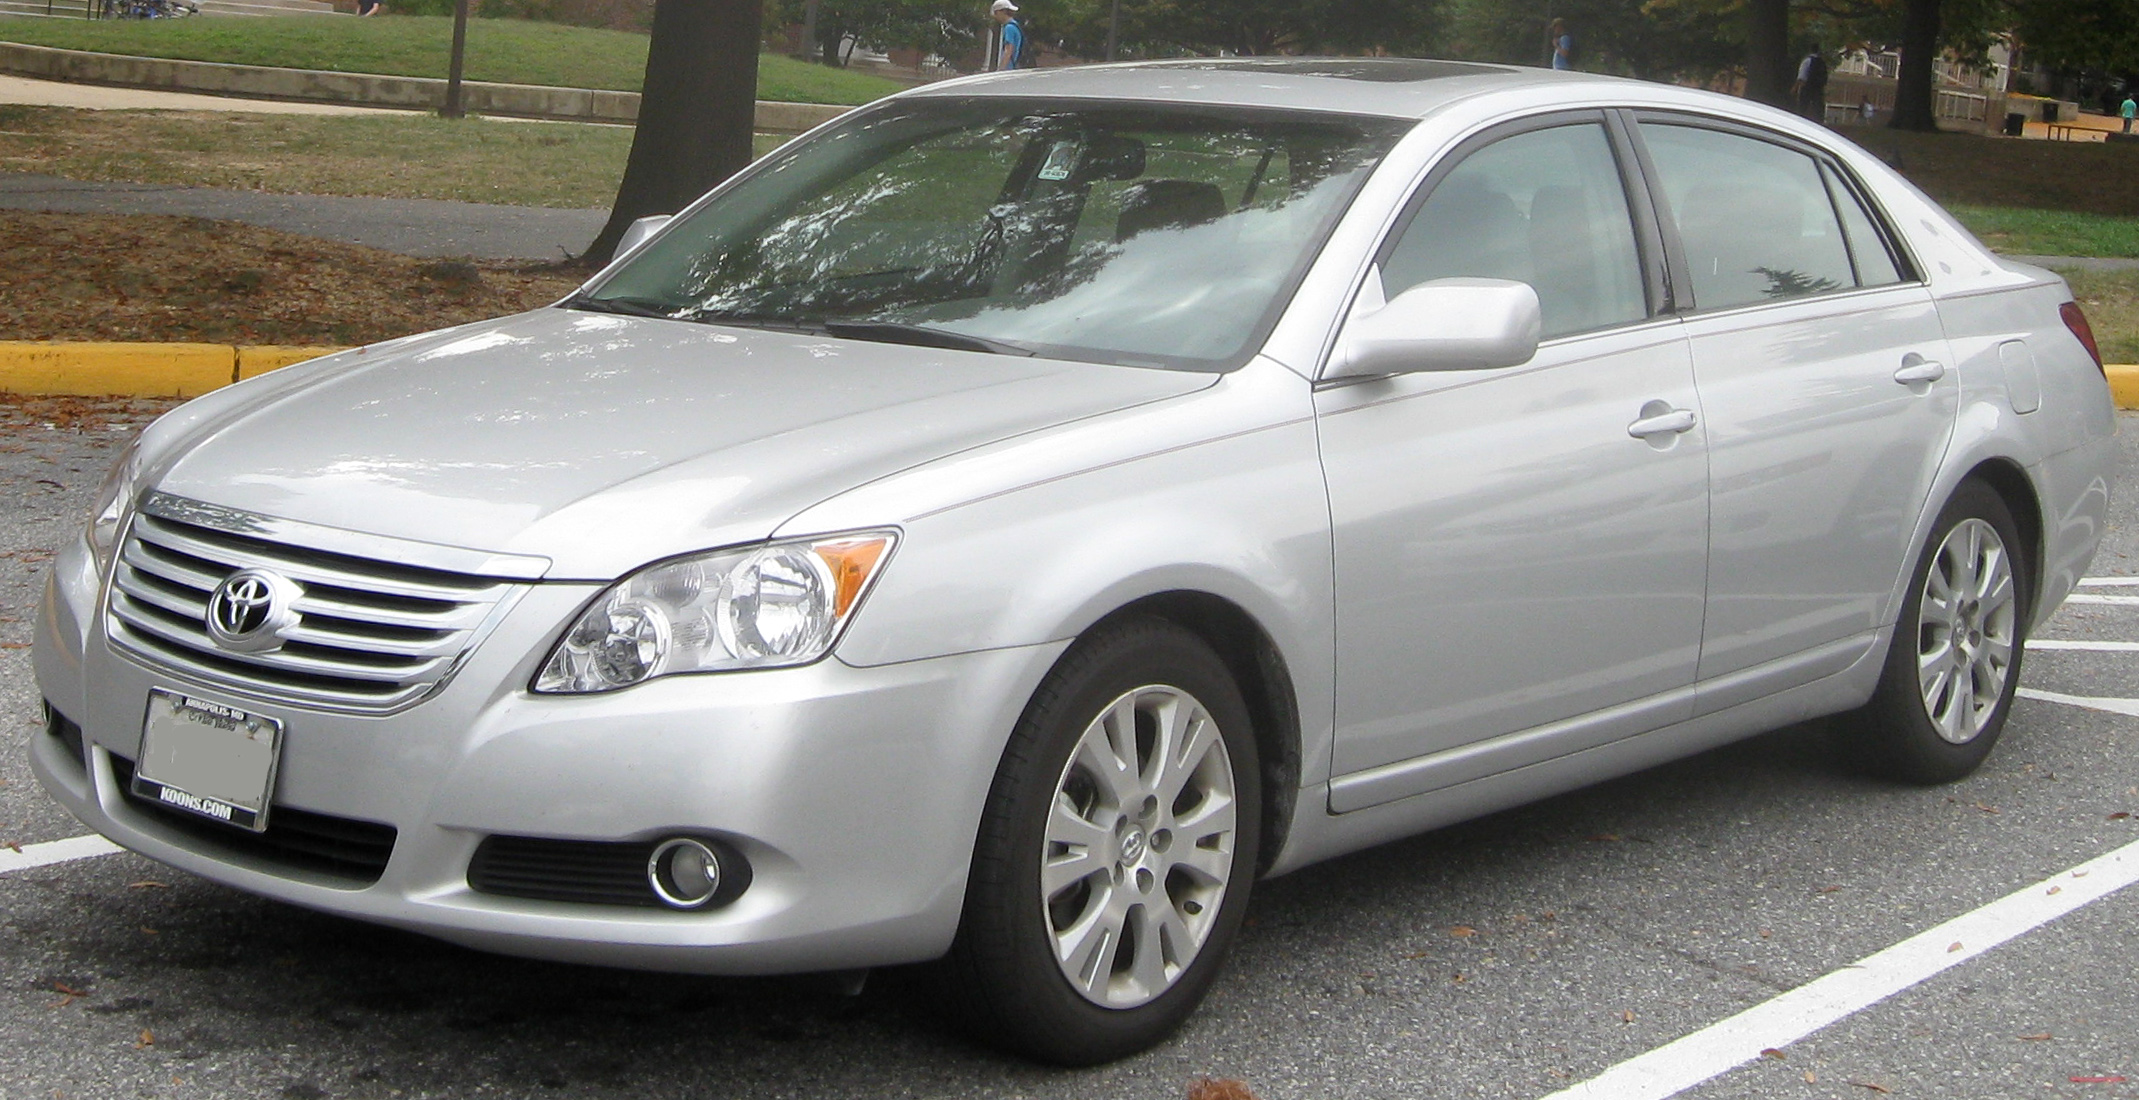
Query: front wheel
1954, 663
1117, 851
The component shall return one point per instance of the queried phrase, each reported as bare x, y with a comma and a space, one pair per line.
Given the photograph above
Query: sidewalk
412, 227
53, 93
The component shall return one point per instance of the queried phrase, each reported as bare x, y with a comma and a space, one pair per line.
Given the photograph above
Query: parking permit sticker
1060, 160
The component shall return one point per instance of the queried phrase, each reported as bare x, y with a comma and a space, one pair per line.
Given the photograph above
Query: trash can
2016, 124
2049, 110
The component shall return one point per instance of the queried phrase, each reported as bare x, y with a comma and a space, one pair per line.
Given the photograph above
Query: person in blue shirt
1013, 49
1563, 45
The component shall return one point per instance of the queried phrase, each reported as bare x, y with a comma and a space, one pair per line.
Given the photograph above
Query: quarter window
1546, 208
1875, 265
1755, 219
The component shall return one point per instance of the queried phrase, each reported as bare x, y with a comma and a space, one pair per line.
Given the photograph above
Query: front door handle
1915, 368
1669, 421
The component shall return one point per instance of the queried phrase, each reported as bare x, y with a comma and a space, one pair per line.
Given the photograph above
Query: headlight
766, 606
113, 500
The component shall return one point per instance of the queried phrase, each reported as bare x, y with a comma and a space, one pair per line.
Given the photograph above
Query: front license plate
208, 759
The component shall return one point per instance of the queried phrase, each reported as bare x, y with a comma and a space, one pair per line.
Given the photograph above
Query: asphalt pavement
1513, 957
412, 227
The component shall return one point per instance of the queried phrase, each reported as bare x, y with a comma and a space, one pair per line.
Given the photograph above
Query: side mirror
1446, 324
636, 233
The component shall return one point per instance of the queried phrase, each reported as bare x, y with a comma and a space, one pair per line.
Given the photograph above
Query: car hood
603, 442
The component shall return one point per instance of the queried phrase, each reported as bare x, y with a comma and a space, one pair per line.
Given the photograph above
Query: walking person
1561, 44
2125, 112
1810, 91
1012, 53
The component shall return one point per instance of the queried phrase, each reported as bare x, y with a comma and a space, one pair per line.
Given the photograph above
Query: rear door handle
1915, 368
1672, 422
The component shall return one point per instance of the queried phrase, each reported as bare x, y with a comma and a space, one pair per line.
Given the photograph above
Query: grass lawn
2111, 301
2054, 198
388, 155
511, 51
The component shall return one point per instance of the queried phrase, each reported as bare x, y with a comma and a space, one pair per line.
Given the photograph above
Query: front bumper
854, 793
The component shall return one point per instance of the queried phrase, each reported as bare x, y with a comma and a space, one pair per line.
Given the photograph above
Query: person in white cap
1013, 49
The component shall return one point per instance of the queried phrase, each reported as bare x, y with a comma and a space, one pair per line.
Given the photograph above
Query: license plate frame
208, 759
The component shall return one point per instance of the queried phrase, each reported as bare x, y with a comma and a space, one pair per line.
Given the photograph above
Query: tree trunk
1767, 52
1913, 91
697, 112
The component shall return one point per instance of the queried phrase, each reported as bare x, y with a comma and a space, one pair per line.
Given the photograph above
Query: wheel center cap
1132, 846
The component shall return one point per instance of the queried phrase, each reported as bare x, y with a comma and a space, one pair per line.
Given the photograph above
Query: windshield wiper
630, 307
898, 332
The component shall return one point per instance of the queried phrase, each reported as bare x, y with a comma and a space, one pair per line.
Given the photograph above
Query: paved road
1604, 924
413, 227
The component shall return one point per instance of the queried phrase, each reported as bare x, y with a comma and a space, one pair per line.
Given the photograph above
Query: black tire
1896, 736
1002, 978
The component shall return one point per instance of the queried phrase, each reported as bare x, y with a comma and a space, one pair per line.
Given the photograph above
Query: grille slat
370, 635
582, 871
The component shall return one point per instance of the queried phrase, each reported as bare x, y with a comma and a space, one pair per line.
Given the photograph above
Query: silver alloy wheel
1139, 846
1965, 630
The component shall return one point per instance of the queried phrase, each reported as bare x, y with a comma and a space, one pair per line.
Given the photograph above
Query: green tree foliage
2076, 35
1652, 41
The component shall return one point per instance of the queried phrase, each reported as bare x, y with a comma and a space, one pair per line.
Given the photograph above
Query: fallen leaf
1829, 889
14, 645
2110, 1080
1460, 977
1811, 1078
147, 931
70, 990
1416, 955
1602, 838
1764, 933
2055, 890
1953, 947
2042, 1038
1871, 1086
11, 845
2119, 816
1626, 1015
148, 884
1219, 1088
1463, 931
1986, 809
148, 1039
62, 1002
1771, 1052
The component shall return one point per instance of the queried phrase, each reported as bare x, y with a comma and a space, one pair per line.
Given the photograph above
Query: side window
1754, 217
1546, 208
1875, 265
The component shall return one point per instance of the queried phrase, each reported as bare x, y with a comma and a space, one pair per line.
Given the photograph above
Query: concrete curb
364, 89
138, 370
188, 370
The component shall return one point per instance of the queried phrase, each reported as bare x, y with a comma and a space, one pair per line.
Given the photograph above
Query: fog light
684, 873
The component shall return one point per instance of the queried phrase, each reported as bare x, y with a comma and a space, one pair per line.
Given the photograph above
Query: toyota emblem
250, 609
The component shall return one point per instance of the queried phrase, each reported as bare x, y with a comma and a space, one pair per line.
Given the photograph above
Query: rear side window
1546, 207
1755, 218
1875, 265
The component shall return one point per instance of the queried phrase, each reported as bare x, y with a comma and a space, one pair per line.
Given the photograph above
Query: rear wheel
1115, 859
1955, 660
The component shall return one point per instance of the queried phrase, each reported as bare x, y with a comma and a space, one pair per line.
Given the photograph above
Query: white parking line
2092, 647
2088, 597
2110, 582
2091, 702
1772, 1025
55, 851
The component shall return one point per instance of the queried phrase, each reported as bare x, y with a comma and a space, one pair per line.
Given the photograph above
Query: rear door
1828, 390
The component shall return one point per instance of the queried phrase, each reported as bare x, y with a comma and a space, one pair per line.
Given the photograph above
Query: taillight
2077, 322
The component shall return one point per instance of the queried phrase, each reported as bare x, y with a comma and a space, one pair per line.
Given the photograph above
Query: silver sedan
1003, 525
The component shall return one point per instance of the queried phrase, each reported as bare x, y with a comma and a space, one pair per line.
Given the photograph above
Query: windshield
1147, 235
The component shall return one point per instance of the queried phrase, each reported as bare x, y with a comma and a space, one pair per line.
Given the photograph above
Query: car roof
1395, 87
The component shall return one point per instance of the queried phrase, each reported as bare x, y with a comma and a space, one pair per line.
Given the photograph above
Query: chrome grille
370, 634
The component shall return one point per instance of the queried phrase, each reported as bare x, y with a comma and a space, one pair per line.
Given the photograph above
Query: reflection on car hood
603, 442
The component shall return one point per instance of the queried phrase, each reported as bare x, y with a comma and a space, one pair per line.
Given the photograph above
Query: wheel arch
1259, 669
2013, 486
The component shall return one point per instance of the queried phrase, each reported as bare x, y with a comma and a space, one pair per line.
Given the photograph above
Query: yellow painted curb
136, 370
2123, 384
